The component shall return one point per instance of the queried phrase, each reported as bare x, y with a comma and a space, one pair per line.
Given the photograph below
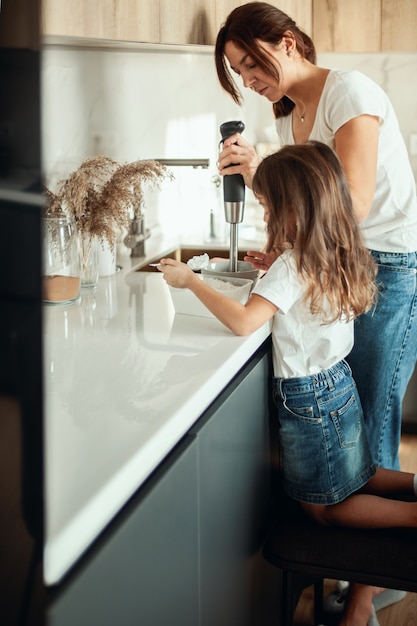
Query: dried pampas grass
102, 196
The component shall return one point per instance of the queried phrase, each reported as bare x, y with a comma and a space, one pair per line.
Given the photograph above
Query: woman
350, 113
321, 279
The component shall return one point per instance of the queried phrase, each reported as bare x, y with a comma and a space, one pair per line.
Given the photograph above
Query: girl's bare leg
371, 506
365, 511
389, 482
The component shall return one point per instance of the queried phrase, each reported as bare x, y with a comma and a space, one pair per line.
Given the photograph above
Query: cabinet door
234, 497
76, 18
136, 20
164, 21
399, 25
222, 10
341, 26
144, 569
124, 20
299, 10
185, 22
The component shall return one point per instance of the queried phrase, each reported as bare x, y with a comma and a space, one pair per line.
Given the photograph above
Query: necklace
302, 115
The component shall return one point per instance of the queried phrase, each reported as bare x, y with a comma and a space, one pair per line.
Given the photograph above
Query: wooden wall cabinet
335, 25
353, 26
136, 20
399, 25
124, 20
186, 22
300, 10
160, 21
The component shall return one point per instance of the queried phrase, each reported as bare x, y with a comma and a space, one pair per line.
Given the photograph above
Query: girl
322, 278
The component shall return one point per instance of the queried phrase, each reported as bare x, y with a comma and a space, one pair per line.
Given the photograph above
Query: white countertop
125, 379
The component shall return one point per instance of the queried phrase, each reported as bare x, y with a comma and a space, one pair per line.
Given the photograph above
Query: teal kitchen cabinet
143, 570
234, 496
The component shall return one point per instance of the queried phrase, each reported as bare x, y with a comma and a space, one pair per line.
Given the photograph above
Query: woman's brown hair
244, 26
305, 185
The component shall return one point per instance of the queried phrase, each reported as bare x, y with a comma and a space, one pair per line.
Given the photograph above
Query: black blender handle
233, 185
230, 128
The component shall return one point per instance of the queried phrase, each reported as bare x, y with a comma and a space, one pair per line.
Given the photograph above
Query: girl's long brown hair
244, 26
304, 185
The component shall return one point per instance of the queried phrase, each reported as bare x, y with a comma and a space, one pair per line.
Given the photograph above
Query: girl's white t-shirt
302, 344
391, 225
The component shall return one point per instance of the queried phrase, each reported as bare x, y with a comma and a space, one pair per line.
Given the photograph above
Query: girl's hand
175, 273
238, 151
261, 260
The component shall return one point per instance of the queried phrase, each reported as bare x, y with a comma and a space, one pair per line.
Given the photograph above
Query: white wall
140, 104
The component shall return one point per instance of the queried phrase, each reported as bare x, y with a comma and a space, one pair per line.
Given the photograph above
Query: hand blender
233, 195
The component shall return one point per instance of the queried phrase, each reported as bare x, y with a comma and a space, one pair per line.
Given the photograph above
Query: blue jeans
325, 452
385, 353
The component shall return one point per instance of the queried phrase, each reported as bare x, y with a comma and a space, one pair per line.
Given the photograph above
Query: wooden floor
403, 613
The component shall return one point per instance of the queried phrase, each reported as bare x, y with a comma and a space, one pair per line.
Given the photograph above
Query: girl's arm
356, 144
242, 319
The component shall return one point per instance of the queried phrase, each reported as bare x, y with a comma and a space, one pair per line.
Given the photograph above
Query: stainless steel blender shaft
234, 215
233, 248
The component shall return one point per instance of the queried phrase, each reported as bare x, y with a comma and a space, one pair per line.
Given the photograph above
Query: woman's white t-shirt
302, 344
391, 225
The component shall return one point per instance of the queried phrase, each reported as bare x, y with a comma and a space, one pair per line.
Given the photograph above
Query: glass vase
89, 268
107, 258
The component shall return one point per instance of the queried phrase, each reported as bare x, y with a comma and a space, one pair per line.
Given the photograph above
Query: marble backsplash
144, 102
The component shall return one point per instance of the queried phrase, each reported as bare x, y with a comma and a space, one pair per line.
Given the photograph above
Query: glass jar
61, 268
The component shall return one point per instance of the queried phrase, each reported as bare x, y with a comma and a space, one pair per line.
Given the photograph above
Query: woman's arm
356, 144
242, 319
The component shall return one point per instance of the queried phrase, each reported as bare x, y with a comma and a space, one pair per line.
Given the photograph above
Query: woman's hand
261, 260
242, 155
175, 273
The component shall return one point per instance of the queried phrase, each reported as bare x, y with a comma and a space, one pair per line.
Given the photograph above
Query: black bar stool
308, 552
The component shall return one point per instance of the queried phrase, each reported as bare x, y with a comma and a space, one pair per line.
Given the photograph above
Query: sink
185, 253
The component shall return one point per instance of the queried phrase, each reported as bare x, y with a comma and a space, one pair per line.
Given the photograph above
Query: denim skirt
325, 453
